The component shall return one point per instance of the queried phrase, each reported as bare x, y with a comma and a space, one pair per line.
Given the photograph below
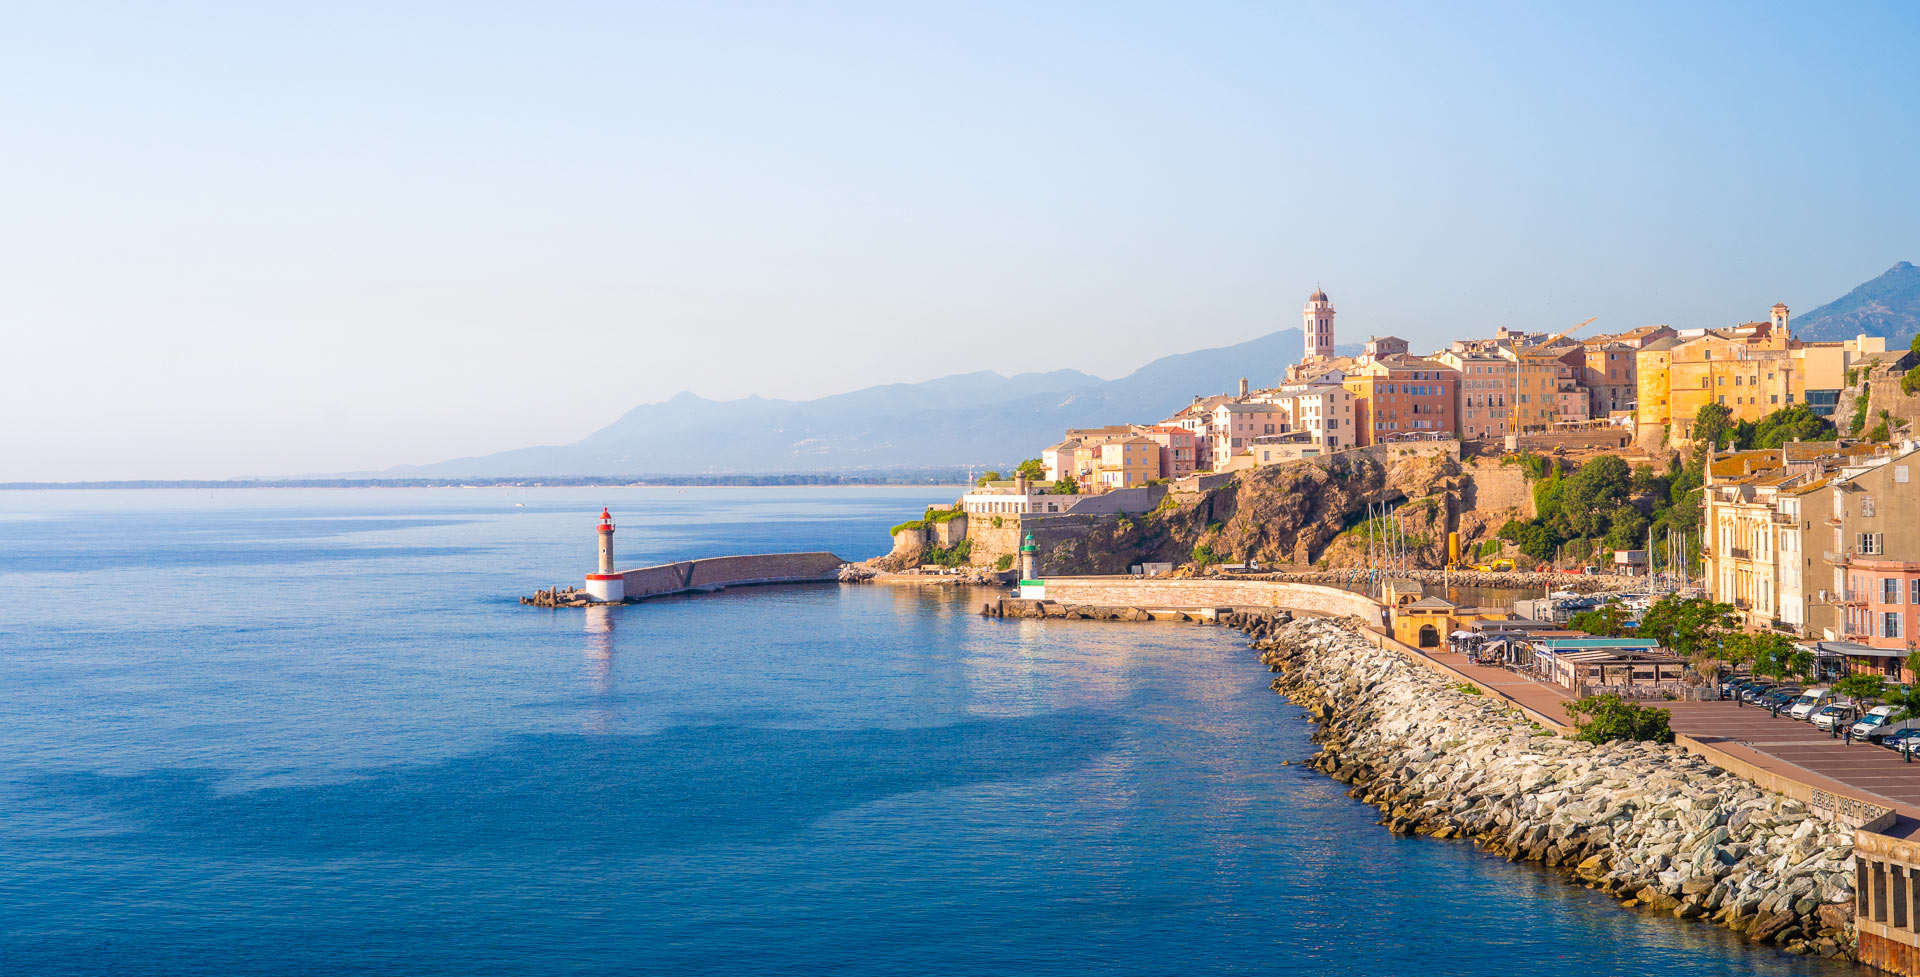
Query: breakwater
709, 574
1655, 826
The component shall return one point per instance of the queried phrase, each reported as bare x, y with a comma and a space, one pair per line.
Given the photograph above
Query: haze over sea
275, 731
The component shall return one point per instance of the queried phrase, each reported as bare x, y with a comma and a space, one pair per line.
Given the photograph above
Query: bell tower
1317, 323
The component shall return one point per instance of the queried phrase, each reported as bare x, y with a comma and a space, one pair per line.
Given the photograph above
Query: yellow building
1750, 370
1128, 463
1652, 412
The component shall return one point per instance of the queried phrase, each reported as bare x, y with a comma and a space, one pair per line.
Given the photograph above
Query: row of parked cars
1826, 710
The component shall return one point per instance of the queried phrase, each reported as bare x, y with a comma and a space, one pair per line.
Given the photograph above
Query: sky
272, 239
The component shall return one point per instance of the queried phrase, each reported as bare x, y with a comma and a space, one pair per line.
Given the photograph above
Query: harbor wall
715, 573
1154, 593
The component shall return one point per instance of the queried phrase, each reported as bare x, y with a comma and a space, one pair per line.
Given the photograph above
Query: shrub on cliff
1603, 718
1204, 556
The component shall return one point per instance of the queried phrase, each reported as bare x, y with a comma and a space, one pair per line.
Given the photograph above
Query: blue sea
314, 732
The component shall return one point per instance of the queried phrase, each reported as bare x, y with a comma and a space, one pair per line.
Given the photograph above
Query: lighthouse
607, 584
1030, 583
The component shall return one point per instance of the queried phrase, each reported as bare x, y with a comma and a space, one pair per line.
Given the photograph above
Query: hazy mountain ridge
970, 418
1886, 306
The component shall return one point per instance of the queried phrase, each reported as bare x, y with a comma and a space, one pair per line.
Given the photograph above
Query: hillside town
1801, 537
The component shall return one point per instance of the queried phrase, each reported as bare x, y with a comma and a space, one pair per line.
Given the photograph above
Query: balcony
1782, 519
1742, 604
1739, 553
1839, 559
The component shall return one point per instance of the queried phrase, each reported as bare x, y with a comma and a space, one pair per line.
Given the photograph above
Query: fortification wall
731, 571
1206, 592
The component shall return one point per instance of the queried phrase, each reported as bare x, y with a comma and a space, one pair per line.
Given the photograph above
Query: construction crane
1569, 332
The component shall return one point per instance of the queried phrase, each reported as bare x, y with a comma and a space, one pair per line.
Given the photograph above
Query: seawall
1210, 592
719, 572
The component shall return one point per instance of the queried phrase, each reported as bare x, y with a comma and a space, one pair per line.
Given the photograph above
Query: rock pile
558, 596
1653, 825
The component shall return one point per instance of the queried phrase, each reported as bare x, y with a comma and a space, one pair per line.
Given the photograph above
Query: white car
1879, 723
1809, 702
1839, 712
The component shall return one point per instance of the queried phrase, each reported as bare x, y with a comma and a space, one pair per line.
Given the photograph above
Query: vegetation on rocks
1605, 718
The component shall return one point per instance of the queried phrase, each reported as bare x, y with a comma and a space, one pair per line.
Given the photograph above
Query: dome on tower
1318, 296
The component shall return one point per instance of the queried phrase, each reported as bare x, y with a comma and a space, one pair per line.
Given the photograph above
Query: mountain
1886, 306
968, 418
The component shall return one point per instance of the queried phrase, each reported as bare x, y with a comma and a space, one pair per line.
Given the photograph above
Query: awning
1464, 633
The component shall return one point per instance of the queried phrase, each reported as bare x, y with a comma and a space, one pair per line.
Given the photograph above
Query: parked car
1780, 698
1879, 723
1731, 688
1836, 714
1754, 691
1897, 741
1804, 705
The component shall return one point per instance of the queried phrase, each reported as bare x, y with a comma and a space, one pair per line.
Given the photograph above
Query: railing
1839, 559
1740, 553
1781, 519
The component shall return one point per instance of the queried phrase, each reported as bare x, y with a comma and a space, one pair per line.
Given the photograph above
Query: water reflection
598, 656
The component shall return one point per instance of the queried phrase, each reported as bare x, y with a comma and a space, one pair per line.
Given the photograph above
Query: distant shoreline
659, 481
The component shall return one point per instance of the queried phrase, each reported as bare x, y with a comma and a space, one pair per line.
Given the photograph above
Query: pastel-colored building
1237, 423
1485, 377
1396, 397
1129, 462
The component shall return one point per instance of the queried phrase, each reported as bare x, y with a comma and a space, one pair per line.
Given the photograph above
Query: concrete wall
1210, 592
731, 571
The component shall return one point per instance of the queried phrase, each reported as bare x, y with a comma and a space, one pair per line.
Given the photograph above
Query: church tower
1780, 317
1317, 321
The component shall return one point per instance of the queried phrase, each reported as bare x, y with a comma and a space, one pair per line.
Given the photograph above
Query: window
1723, 399
1889, 590
1890, 624
1900, 473
1866, 506
1913, 591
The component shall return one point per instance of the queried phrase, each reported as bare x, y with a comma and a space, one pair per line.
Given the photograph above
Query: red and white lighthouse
607, 584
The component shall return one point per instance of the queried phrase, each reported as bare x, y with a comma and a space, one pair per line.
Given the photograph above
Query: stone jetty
1654, 826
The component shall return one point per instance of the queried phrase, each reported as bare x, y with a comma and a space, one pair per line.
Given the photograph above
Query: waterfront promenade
1786, 747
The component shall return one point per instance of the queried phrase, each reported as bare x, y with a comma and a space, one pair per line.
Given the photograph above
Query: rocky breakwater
1652, 825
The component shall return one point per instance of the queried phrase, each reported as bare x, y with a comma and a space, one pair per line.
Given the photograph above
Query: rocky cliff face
1294, 513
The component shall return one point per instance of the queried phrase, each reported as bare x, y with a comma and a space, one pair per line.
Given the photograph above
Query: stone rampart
718, 572
1156, 593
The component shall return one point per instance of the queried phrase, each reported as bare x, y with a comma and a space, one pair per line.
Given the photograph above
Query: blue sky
255, 239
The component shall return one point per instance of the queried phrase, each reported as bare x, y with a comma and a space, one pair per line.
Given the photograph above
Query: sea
315, 732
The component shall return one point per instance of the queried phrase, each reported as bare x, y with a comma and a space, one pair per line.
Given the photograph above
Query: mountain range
1886, 306
989, 419
971, 418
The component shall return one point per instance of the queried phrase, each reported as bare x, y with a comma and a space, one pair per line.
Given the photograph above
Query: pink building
1883, 603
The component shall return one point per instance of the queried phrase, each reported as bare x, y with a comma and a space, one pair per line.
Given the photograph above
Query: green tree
1066, 486
1605, 621
1534, 539
1711, 425
1629, 529
1033, 469
1588, 497
1795, 423
1772, 655
1861, 685
1604, 718
990, 476
1687, 624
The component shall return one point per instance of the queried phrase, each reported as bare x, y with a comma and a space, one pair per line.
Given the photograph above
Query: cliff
1300, 513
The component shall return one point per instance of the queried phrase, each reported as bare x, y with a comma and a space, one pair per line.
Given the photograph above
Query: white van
1810, 700
1878, 724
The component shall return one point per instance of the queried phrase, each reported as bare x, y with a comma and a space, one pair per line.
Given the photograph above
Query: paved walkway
1786, 746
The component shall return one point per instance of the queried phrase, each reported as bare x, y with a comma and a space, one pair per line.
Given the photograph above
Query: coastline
1658, 828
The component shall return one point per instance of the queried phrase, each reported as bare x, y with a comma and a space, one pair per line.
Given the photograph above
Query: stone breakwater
1654, 826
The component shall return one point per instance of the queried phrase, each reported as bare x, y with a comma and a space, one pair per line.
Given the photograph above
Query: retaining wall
717, 572
1186, 594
